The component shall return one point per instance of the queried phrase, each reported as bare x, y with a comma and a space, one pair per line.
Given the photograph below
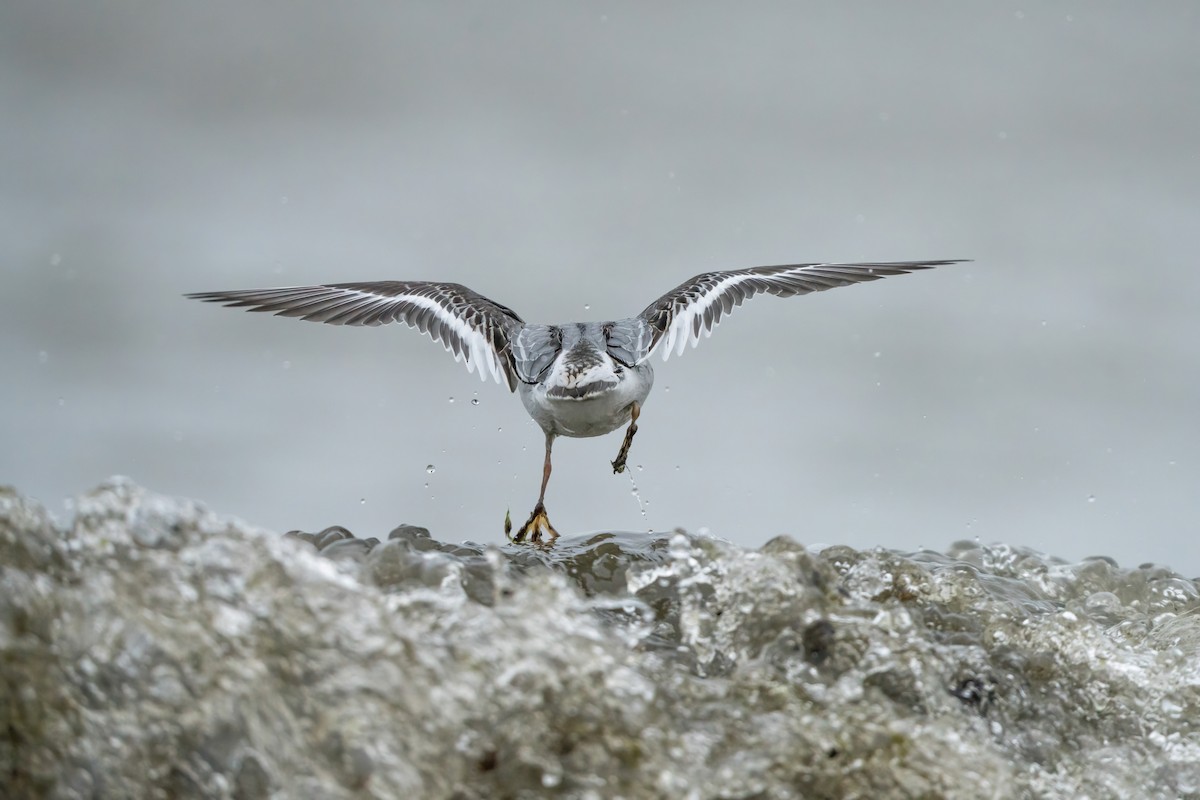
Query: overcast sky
574, 161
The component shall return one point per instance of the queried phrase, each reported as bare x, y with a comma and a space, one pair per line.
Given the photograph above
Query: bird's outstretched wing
696, 306
473, 328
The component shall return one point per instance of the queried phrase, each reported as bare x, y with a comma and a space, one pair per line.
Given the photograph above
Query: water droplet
177, 436
587, 306
878, 354
362, 501
499, 430
640, 467
427, 485
633, 490
666, 388
43, 356
474, 401
62, 401
1091, 498
283, 200
430, 468
55, 259
287, 365
676, 467
452, 399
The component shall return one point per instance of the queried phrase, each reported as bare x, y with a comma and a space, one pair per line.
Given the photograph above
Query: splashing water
177, 653
637, 496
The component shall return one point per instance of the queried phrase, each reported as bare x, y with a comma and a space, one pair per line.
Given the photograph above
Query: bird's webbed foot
535, 528
618, 464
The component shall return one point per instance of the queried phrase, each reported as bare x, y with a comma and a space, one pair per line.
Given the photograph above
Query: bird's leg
538, 524
619, 464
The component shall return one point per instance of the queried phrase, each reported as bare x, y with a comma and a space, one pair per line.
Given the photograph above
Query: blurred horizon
575, 162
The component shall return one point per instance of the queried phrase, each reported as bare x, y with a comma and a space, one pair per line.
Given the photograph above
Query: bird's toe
536, 528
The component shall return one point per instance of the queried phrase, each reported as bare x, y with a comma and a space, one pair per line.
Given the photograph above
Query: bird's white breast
595, 414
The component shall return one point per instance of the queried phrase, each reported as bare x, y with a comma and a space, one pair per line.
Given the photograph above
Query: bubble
430, 468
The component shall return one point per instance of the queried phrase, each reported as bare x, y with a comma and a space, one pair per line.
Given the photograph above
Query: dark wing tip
905, 264
941, 263
250, 300
210, 297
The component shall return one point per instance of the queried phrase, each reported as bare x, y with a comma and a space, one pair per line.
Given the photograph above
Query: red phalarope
577, 379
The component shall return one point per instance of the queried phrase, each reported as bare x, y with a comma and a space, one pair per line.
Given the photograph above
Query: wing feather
696, 306
471, 327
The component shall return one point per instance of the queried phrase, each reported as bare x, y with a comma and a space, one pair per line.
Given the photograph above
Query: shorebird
576, 379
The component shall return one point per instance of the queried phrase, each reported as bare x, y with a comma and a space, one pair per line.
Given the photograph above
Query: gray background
559, 156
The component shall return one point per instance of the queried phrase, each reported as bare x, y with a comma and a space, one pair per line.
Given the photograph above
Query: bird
576, 379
